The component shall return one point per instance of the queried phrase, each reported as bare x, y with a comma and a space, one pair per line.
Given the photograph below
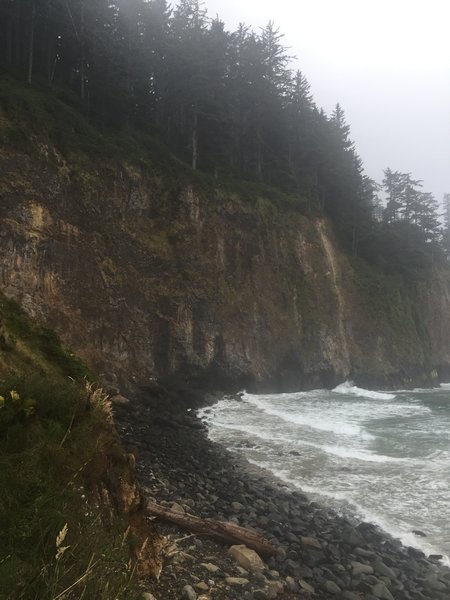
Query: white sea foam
406, 537
353, 453
279, 398
254, 432
352, 390
343, 452
339, 451
320, 422
382, 456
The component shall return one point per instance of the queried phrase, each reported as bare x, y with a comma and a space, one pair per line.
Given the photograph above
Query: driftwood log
220, 530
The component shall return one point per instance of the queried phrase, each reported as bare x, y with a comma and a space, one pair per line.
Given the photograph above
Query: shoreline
322, 554
351, 512
344, 505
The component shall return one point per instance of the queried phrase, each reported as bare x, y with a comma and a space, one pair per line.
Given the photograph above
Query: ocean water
382, 457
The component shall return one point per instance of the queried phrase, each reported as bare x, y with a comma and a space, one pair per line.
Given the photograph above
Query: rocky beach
320, 554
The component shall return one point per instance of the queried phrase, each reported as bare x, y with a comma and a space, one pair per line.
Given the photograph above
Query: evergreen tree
153, 90
341, 128
342, 178
425, 216
227, 103
244, 78
407, 203
188, 74
215, 114
301, 128
393, 187
446, 229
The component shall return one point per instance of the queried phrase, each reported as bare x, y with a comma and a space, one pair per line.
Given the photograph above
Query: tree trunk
169, 129
31, 51
82, 57
354, 241
259, 159
9, 42
195, 142
219, 530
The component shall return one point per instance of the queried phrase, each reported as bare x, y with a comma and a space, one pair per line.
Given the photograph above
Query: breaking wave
349, 389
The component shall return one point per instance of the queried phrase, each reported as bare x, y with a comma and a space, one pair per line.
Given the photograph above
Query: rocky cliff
150, 275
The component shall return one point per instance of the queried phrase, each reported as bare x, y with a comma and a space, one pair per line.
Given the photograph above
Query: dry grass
61, 533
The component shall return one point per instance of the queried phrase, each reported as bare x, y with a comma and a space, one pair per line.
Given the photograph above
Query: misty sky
387, 62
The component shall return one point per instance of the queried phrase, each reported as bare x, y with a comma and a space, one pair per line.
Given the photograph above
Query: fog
386, 62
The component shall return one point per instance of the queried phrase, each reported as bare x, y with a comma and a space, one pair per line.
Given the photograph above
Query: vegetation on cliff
60, 537
189, 254
185, 187
126, 126
225, 102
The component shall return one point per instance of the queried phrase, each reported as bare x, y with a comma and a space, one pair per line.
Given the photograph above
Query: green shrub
53, 424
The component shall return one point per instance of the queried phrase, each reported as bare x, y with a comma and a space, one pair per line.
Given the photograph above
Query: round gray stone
189, 593
331, 587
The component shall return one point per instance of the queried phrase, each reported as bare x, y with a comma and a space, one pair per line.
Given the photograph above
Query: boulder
236, 581
275, 588
202, 586
360, 569
432, 583
175, 507
331, 587
247, 558
310, 541
260, 595
119, 400
380, 591
306, 587
381, 569
189, 593
210, 567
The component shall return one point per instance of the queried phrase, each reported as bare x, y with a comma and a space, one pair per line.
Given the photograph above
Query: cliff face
146, 278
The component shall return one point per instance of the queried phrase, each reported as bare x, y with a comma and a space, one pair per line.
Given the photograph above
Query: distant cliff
147, 274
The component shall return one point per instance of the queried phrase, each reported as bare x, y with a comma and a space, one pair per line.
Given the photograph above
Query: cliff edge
151, 271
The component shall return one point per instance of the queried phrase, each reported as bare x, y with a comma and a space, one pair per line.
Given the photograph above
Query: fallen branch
219, 530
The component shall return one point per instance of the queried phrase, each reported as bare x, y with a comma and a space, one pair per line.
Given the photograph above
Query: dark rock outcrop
148, 279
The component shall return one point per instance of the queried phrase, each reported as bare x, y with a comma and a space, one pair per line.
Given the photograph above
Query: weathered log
222, 531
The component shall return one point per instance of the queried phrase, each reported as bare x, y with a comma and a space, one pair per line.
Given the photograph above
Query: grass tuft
56, 539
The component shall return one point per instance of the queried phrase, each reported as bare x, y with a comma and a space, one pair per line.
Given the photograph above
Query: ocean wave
319, 423
367, 456
328, 432
338, 451
253, 431
360, 512
285, 395
226, 405
349, 389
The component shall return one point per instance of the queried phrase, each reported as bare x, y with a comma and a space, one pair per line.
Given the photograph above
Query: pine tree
446, 228
244, 78
341, 128
156, 40
274, 60
188, 72
225, 102
301, 126
426, 216
393, 187
410, 198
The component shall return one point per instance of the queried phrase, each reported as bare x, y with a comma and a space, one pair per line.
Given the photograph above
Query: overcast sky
387, 62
